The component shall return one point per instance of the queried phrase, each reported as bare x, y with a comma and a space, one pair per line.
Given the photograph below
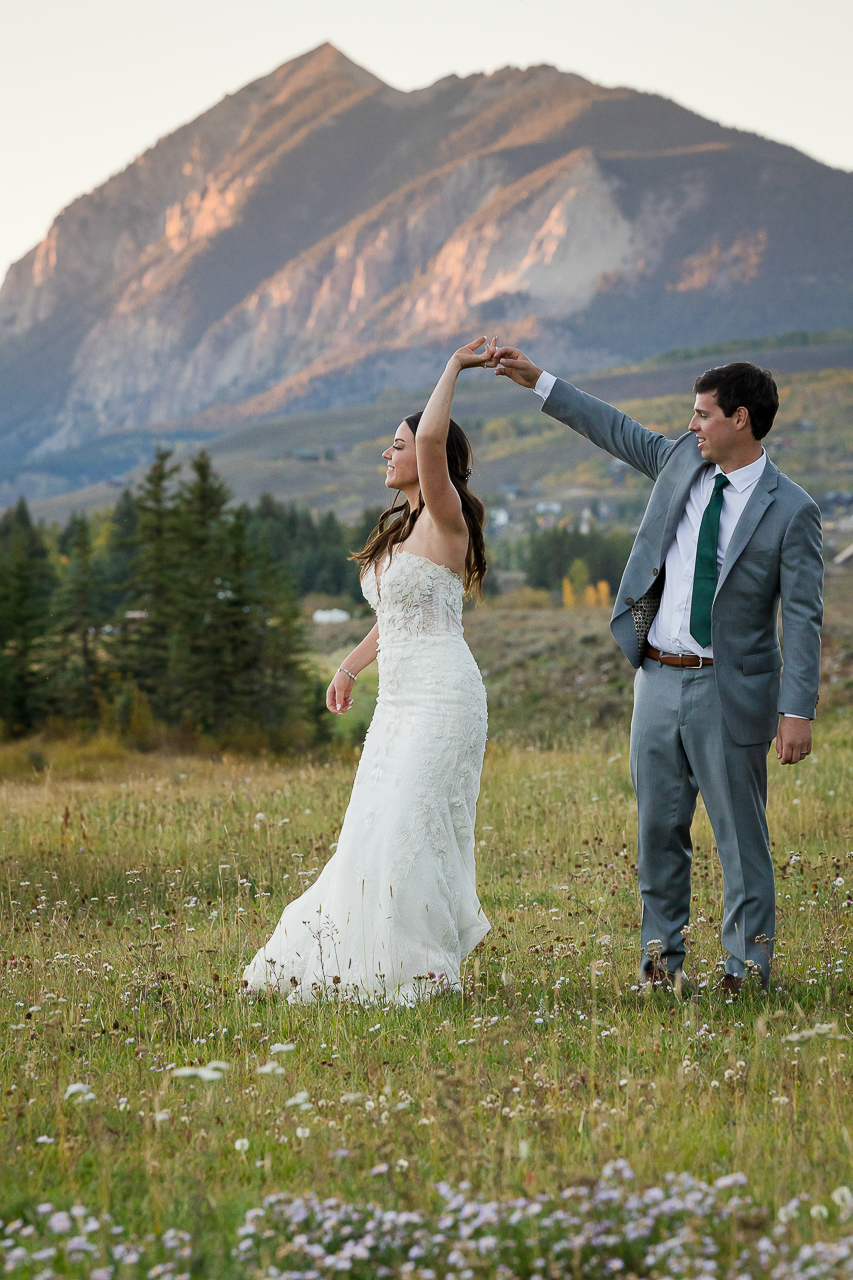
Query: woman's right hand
339, 693
468, 357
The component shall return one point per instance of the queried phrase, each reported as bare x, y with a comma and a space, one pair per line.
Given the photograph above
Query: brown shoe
730, 984
657, 975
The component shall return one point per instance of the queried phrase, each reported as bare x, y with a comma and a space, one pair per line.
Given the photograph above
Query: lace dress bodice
414, 597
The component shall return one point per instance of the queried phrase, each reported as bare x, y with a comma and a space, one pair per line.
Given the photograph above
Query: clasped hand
468, 357
507, 362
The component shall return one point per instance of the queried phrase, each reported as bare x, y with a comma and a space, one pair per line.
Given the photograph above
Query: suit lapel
760, 499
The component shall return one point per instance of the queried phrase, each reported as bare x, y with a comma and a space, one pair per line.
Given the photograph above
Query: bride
395, 910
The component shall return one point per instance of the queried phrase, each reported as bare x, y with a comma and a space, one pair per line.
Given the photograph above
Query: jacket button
654, 573
629, 599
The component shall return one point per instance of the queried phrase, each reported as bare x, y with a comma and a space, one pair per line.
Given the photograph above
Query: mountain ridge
320, 236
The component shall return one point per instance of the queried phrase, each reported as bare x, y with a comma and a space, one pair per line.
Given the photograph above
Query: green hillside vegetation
520, 446
811, 440
777, 342
331, 459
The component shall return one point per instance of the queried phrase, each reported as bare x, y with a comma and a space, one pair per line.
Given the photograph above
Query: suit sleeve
607, 427
801, 586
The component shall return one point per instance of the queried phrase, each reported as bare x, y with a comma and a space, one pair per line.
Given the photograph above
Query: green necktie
705, 575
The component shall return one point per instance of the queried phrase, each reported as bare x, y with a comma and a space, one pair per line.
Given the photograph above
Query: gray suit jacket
775, 554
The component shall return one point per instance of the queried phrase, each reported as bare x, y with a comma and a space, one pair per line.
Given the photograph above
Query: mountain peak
326, 59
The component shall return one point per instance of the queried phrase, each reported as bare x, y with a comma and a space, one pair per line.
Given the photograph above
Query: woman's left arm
440, 497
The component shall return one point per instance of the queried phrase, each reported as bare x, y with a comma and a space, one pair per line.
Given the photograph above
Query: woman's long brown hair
399, 520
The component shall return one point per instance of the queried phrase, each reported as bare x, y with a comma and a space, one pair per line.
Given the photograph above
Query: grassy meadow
136, 886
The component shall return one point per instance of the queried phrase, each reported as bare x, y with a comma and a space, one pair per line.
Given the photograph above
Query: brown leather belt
678, 659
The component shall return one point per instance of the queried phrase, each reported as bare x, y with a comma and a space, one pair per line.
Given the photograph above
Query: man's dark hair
743, 384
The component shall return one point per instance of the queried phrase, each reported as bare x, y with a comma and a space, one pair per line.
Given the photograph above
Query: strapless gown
395, 910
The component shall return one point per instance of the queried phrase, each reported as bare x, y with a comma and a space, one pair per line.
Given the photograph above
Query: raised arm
440, 497
605, 426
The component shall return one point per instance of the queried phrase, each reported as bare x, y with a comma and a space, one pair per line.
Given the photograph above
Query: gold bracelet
348, 673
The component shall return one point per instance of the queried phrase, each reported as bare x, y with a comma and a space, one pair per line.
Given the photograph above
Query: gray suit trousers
680, 747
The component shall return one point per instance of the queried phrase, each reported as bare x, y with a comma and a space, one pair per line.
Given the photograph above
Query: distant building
330, 615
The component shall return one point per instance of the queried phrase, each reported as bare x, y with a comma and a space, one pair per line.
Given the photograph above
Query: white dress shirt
670, 630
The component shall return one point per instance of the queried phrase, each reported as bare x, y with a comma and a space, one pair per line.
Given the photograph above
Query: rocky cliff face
319, 236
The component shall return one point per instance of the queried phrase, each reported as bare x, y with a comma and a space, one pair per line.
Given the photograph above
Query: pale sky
86, 85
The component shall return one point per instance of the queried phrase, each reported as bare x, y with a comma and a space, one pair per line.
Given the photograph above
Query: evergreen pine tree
201, 667
314, 552
115, 564
147, 613
291, 704
236, 663
74, 666
26, 582
283, 698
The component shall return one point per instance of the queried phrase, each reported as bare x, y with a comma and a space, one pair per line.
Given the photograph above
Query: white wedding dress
395, 910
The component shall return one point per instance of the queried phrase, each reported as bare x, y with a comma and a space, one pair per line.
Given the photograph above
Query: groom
725, 538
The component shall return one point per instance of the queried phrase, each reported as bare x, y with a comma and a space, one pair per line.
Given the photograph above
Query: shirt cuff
791, 716
545, 384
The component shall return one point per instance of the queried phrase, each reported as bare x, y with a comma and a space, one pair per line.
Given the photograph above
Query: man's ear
742, 418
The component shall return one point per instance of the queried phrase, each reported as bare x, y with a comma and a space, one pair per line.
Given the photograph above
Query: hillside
319, 238
330, 460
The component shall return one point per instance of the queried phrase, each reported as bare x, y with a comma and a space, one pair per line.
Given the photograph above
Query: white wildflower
299, 1099
201, 1073
242, 1144
82, 1091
